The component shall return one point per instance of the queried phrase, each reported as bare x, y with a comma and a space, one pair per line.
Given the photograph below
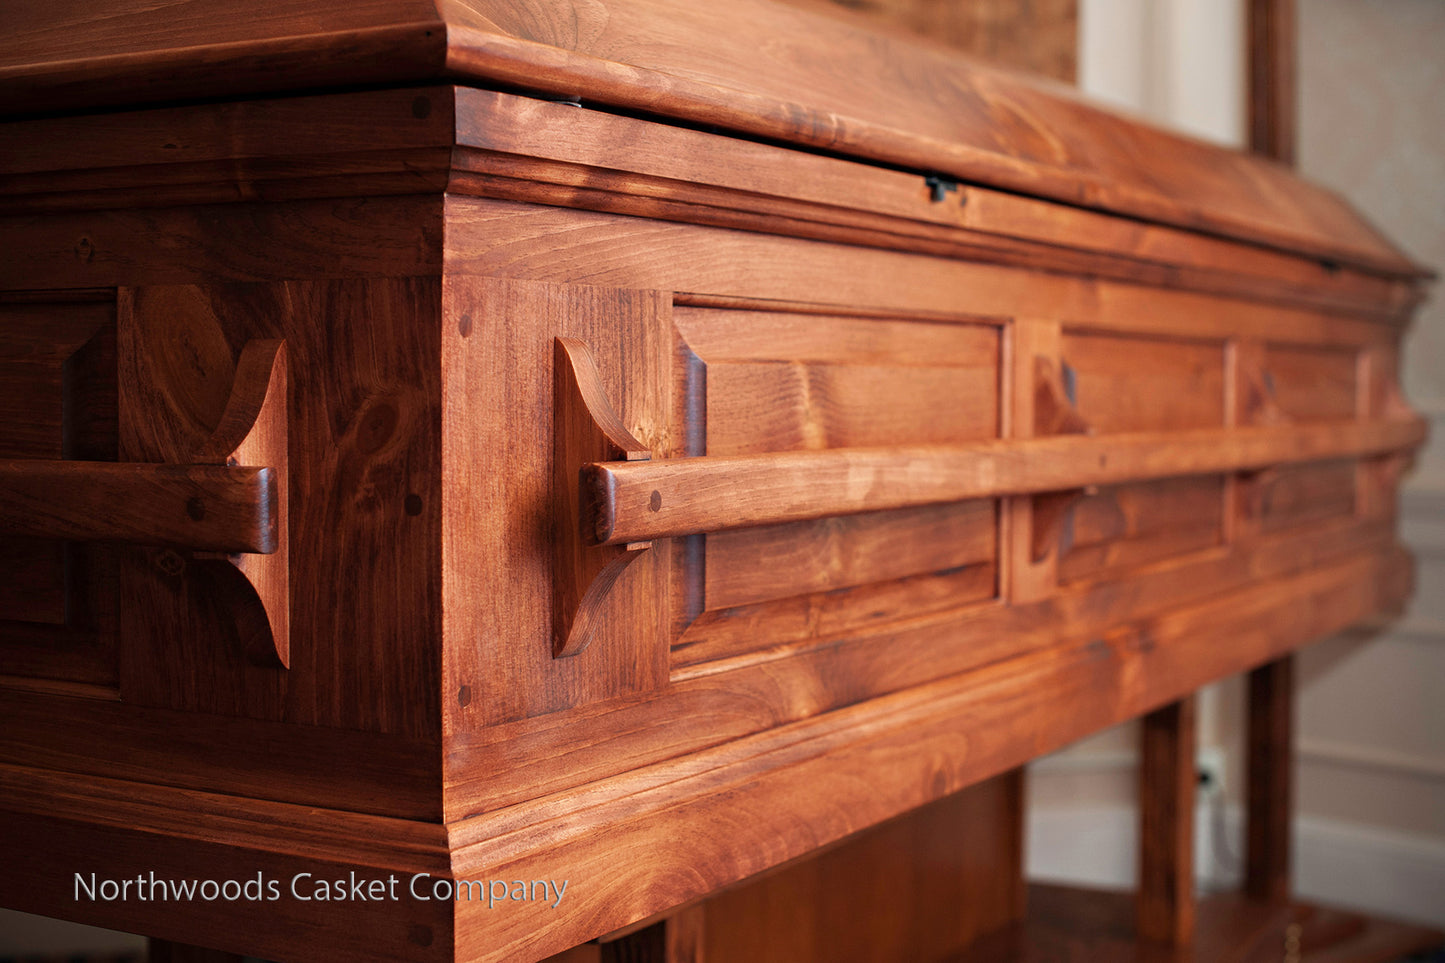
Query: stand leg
1270, 789
1165, 901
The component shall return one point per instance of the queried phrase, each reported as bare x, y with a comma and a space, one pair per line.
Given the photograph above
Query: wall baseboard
1335, 863
1389, 873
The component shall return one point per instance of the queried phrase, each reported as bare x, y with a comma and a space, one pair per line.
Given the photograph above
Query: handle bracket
252, 431
586, 429
218, 504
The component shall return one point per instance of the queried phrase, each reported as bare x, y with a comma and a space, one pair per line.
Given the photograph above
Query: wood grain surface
976, 419
829, 82
210, 508
639, 501
1165, 904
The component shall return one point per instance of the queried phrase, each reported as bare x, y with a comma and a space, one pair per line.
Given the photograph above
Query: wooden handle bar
639, 501
212, 508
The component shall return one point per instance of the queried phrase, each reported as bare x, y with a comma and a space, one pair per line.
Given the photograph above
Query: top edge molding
816, 79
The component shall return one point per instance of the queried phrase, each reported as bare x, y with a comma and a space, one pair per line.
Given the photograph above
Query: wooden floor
1092, 926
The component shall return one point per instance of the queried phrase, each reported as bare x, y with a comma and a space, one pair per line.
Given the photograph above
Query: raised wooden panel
786, 381
1310, 383
1141, 384
832, 553
57, 400
785, 406
816, 335
1305, 494
1122, 384
1124, 526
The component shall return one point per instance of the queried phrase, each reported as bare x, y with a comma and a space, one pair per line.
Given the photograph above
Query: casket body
626, 446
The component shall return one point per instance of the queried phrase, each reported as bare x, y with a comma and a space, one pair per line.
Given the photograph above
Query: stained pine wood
585, 428
1310, 383
1302, 495
777, 381
210, 508
638, 501
542, 242
175, 833
807, 672
57, 400
749, 633
801, 93
1041, 38
921, 887
369, 480
1126, 526
537, 151
1167, 785
1273, 39
93, 733
388, 143
1269, 786
497, 355
1031, 367
838, 553
751, 696
1141, 384
643, 806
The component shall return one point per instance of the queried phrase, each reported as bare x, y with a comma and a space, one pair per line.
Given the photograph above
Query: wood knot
377, 427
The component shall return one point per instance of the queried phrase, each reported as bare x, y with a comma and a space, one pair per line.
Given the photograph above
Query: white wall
1371, 724
1177, 62
1371, 720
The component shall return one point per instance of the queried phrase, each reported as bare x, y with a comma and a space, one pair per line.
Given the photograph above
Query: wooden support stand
946, 883
1166, 824
1270, 785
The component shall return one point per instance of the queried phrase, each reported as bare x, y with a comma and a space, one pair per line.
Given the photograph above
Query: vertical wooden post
1165, 901
1270, 781
1272, 78
1273, 39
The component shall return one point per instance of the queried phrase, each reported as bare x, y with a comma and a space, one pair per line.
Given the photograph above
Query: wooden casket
623, 445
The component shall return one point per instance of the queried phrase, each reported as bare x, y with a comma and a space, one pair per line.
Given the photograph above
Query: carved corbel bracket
222, 503
1254, 487
1379, 482
1050, 512
1055, 413
252, 431
586, 429
1257, 401
1055, 397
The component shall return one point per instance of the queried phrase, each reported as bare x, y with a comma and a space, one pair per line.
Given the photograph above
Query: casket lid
817, 79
